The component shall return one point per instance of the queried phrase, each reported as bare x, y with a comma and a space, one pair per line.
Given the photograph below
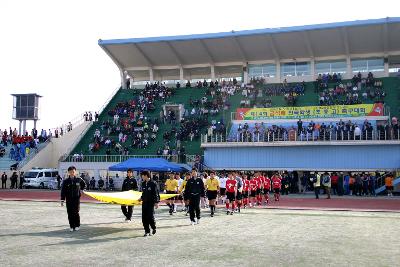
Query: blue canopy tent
147, 164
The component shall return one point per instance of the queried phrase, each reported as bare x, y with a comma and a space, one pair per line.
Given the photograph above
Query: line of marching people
237, 191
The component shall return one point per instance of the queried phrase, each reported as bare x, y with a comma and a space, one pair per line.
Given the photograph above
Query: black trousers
73, 213
194, 207
127, 211
148, 217
3, 185
316, 191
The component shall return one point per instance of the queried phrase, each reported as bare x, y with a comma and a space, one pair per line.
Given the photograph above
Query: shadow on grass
89, 234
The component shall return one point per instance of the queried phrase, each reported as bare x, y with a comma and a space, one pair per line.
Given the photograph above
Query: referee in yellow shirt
171, 186
212, 186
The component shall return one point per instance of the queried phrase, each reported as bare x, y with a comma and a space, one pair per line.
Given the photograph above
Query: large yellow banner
309, 112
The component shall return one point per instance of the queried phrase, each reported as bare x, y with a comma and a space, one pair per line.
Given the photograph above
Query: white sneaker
77, 229
71, 229
198, 221
192, 223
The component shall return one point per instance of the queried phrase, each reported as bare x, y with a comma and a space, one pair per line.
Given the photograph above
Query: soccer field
36, 234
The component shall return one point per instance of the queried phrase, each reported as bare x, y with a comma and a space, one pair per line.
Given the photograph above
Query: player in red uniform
260, 180
267, 188
276, 181
231, 188
246, 190
253, 190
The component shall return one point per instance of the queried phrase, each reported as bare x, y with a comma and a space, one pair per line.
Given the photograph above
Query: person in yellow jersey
171, 187
212, 186
184, 194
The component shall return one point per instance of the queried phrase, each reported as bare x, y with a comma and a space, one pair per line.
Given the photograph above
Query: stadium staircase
382, 189
5, 161
391, 86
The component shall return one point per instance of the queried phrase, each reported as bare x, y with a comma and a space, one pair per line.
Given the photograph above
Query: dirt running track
306, 202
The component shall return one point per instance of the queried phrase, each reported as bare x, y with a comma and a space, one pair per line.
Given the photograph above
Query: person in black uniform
150, 199
71, 193
194, 190
128, 184
21, 180
4, 181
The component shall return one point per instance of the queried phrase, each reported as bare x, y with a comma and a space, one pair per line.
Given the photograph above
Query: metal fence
293, 135
188, 159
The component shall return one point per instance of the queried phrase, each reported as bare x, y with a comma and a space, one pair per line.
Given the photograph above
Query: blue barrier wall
305, 157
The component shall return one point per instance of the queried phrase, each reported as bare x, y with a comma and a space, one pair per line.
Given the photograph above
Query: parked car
39, 178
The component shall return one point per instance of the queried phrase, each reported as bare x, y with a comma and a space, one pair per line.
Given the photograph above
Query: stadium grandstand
307, 98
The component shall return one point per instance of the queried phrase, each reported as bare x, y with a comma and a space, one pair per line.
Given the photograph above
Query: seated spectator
100, 183
92, 184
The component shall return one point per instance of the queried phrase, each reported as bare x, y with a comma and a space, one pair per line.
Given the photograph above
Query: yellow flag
123, 198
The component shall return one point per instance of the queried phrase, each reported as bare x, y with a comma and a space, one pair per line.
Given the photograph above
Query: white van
39, 177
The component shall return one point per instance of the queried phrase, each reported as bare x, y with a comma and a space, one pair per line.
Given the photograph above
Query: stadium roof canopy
166, 56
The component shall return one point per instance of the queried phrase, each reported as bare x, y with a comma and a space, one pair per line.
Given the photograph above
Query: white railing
114, 158
108, 100
375, 135
81, 135
189, 159
33, 152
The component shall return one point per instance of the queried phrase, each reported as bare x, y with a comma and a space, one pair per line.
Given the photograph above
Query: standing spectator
299, 127
316, 180
58, 181
96, 116
340, 182
304, 182
21, 180
372, 184
389, 184
334, 183
14, 179
4, 181
285, 184
150, 199
358, 185
365, 184
326, 182
71, 193
116, 119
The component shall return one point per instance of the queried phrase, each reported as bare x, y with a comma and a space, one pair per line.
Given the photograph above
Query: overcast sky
50, 47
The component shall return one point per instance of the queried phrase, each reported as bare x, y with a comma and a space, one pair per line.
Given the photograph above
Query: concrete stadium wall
49, 156
342, 156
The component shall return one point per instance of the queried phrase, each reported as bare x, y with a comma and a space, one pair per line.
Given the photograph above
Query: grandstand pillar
123, 79
20, 127
23, 127
278, 71
181, 75
212, 72
386, 68
151, 74
245, 73
313, 68
348, 68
